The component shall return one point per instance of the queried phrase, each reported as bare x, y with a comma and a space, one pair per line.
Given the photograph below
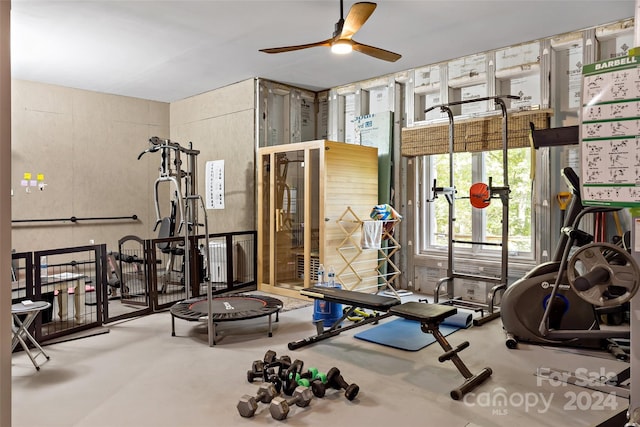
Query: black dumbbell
269, 357
282, 363
289, 382
257, 371
272, 377
248, 405
312, 378
271, 361
279, 407
259, 368
335, 380
319, 385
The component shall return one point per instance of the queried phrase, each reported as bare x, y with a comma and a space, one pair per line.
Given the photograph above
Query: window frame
426, 218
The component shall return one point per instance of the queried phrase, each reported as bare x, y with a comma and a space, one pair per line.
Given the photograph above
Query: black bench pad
423, 312
359, 299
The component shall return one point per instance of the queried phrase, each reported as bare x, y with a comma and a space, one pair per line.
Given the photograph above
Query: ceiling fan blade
357, 16
297, 47
376, 52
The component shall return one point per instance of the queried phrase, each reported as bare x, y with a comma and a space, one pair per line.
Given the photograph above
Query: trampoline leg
270, 331
173, 325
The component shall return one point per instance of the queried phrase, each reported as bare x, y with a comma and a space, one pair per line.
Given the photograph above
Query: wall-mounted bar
76, 219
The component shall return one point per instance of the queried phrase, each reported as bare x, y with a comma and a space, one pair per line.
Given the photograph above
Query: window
472, 224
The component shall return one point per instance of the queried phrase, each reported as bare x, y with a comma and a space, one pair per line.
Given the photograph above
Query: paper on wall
215, 184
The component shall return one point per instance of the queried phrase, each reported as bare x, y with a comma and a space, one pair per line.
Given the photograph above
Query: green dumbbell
312, 378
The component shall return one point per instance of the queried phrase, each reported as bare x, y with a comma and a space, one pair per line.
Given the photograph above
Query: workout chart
610, 132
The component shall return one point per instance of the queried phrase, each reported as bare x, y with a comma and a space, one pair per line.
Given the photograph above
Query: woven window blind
477, 134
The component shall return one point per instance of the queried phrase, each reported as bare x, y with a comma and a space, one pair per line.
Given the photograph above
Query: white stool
20, 328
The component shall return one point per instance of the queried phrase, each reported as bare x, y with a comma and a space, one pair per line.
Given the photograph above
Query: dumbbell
248, 405
310, 373
289, 380
257, 371
279, 406
282, 363
272, 377
260, 369
335, 380
270, 361
312, 378
318, 387
269, 357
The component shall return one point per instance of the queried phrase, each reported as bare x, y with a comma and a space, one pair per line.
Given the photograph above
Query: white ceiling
170, 50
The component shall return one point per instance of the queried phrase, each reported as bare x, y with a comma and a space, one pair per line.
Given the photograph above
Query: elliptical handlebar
598, 275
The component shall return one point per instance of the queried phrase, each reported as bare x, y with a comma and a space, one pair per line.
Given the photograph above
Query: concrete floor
139, 375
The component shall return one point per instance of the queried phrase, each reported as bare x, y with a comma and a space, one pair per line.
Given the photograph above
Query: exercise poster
215, 184
610, 133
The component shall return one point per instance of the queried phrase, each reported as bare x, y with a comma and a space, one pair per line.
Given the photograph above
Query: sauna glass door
289, 215
296, 175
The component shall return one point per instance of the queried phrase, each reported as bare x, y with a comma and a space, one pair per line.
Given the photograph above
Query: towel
384, 212
371, 234
389, 216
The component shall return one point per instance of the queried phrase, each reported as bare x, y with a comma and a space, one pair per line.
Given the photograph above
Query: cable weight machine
488, 311
184, 183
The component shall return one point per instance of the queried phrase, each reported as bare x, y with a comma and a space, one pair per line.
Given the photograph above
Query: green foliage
490, 218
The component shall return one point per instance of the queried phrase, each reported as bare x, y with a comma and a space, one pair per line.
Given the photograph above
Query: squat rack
500, 282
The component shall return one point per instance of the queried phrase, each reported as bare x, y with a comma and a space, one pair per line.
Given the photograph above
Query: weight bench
429, 315
354, 300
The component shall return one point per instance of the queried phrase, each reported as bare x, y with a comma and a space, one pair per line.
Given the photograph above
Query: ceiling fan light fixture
342, 40
342, 47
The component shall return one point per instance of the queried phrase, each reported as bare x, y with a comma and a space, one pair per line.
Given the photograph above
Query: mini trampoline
225, 309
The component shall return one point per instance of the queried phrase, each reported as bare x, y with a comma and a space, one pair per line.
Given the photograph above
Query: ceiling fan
342, 41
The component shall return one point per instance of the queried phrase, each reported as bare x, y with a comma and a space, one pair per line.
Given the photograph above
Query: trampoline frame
184, 310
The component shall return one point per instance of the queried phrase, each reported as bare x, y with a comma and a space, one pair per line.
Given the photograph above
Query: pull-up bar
480, 198
468, 101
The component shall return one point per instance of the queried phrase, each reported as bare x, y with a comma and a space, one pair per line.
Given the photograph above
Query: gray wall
86, 144
221, 125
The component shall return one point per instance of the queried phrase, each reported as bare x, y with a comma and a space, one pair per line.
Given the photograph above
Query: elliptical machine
555, 303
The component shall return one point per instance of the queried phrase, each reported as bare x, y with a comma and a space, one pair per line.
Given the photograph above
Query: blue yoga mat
406, 334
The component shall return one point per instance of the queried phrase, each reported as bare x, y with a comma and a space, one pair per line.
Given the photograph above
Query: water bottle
321, 281
43, 266
334, 309
331, 277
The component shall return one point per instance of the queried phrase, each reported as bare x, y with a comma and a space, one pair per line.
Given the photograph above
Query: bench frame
429, 315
